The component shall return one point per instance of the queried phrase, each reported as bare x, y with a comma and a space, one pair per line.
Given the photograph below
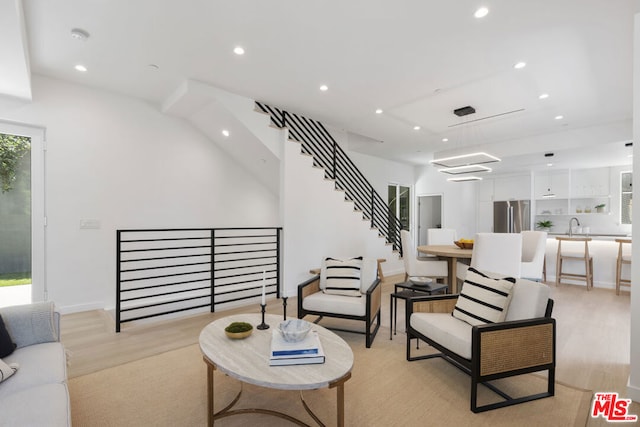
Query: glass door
21, 214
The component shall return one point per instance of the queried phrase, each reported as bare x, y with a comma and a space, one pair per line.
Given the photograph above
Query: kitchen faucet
571, 229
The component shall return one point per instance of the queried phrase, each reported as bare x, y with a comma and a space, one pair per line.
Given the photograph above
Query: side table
408, 290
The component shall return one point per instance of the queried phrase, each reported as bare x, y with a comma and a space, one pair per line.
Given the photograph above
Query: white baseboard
68, 309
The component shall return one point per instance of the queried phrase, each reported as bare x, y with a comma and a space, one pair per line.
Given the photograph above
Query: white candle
264, 286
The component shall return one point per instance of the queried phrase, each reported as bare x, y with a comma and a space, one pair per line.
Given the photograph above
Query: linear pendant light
465, 169
464, 178
465, 160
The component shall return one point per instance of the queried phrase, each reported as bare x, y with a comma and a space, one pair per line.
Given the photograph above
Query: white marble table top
248, 359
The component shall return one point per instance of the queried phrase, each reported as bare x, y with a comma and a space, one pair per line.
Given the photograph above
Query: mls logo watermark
610, 407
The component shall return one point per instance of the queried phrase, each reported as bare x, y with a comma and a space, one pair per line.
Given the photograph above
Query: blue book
306, 348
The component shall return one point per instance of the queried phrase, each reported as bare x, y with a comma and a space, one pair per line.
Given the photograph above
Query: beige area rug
385, 390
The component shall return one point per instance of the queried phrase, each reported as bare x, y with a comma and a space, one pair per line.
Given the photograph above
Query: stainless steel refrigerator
512, 216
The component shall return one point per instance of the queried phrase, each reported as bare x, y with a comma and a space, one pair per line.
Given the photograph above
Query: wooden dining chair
622, 259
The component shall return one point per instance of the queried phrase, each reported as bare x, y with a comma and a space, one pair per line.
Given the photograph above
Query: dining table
451, 253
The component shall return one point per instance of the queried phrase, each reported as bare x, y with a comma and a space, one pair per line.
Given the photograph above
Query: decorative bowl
294, 330
238, 330
420, 280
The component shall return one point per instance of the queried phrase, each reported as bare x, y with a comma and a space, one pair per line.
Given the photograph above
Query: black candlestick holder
284, 306
263, 325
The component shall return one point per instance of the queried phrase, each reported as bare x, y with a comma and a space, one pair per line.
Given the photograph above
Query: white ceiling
417, 60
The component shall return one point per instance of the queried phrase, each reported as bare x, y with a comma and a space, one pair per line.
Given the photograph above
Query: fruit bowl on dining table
464, 243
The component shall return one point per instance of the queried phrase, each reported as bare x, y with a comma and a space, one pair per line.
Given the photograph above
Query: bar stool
622, 259
575, 256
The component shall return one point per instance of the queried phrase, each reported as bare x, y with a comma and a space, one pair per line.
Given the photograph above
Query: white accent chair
415, 267
446, 236
312, 300
534, 245
525, 342
498, 253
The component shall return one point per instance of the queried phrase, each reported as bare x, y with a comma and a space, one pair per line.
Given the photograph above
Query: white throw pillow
7, 370
483, 299
343, 276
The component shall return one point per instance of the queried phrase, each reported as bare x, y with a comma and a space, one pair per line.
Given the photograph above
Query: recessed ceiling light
445, 139
543, 96
549, 164
80, 34
80, 68
559, 117
520, 65
225, 132
378, 111
238, 50
324, 88
416, 128
481, 12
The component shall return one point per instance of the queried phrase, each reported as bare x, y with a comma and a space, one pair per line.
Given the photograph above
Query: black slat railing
318, 142
165, 271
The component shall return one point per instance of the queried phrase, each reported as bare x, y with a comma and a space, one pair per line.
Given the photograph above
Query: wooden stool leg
618, 271
558, 265
618, 268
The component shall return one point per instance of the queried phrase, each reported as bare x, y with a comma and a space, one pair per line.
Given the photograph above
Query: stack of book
305, 352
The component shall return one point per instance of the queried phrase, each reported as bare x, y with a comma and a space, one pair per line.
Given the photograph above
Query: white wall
458, 200
120, 161
381, 173
318, 222
634, 378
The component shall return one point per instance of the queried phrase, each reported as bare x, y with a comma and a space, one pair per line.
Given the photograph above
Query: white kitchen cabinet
516, 187
590, 183
485, 217
485, 190
552, 183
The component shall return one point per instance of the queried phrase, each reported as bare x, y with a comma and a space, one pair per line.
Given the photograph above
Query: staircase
317, 142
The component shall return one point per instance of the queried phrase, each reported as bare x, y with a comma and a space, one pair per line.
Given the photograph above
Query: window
399, 200
626, 197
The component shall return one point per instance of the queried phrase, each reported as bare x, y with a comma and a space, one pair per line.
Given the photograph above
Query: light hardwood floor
592, 337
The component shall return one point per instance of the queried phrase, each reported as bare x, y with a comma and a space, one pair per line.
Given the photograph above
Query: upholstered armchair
341, 290
513, 335
534, 245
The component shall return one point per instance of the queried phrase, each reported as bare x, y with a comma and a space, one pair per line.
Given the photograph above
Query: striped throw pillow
6, 370
483, 299
343, 276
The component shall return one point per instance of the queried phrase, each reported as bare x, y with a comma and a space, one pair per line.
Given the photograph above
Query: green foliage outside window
12, 149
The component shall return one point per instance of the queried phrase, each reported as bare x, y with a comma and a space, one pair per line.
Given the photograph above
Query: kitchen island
604, 250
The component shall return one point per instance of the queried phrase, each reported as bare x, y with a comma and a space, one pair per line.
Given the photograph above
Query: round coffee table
221, 353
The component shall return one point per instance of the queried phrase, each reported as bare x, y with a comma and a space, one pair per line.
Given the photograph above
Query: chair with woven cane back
507, 333
344, 289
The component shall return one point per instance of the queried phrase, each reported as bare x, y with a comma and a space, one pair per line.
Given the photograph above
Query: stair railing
318, 142
160, 272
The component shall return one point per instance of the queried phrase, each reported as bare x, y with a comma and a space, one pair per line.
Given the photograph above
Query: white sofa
523, 342
36, 394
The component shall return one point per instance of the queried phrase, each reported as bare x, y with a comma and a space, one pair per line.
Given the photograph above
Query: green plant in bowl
238, 330
546, 224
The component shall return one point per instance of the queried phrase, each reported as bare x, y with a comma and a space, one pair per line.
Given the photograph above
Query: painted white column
634, 377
